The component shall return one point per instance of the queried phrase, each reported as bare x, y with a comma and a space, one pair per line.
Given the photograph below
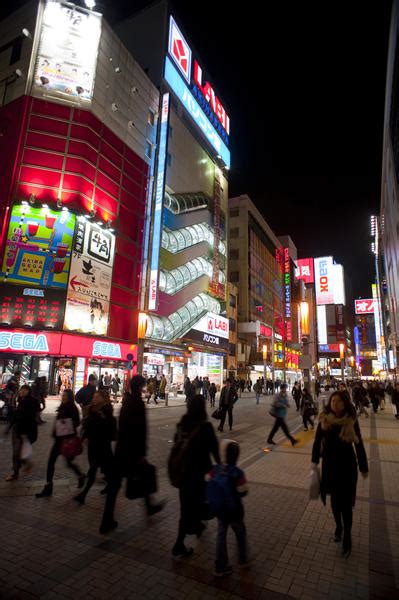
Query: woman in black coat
202, 443
130, 450
99, 428
23, 424
339, 443
68, 416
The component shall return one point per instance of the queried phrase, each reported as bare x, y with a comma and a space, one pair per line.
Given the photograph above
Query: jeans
341, 504
222, 559
52, 459
279, 422
225, 410
257, 397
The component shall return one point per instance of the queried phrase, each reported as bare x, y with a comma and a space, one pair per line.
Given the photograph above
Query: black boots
46, 491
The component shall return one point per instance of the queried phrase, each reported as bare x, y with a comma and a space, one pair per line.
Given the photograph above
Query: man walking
279, 411
296, 394
228, 397
85, 395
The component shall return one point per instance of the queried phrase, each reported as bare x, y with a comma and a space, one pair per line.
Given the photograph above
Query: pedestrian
59, 384
107, 382
36, 391
85, 395
130, 451
249, 385
66, 423
152, 390
212, 394
395, 399
99, 428
374, 397
189, 390
197, 435
297, 395
162, 386
337, 433
227, 485
115, 385
10, 393
279, 412
317, 388
206, 387
258, 390
228, 397
307, 409
23, 425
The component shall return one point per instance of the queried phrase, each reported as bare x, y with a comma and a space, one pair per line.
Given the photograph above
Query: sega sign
29, 342
324, 280
107, 350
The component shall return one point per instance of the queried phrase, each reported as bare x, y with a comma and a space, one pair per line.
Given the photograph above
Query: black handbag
217, 414
141, 482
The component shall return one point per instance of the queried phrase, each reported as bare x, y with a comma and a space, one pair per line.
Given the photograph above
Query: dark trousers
297, 402
280, 422
341, 504
16, 452
212, 399
98, 459
114, 483
306, 418
52, 459
192, 510
222, 559
225, 410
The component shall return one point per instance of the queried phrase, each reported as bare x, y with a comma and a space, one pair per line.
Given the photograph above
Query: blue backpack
220, 492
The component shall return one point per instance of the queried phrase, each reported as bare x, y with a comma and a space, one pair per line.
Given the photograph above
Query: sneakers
306, 429
347, 547
271, 442
223, 572
294, 442
46, 491
338, 534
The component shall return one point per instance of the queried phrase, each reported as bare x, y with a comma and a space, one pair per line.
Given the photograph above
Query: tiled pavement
51, 548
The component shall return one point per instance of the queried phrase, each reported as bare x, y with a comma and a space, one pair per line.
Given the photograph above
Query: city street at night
51, 548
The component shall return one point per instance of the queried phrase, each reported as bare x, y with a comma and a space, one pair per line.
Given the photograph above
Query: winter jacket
281, 404
85, 395
131, 445
228, 396
24, 418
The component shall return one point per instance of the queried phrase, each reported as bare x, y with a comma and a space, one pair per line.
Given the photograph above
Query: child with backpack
226, 486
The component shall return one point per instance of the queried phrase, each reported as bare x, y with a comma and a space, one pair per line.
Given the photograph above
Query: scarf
347, 423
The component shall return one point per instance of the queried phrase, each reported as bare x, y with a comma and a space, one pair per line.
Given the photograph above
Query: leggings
52, 459
341, 505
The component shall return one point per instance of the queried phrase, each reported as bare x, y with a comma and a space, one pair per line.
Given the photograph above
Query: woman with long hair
338, 442
200, 443
66, 423
99, 428
23, 425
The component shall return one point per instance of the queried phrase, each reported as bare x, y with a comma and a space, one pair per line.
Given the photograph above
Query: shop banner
67, 55
34, 307
90, 278
38, 247
22, 342
88, 347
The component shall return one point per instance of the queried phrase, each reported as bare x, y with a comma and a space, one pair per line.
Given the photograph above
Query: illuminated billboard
305, 270
364, 307
67, 53
90, 278
324, 280
38, 247
338, 285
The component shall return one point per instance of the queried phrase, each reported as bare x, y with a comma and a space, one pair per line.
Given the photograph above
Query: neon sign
30, 342
107, 349
210, 96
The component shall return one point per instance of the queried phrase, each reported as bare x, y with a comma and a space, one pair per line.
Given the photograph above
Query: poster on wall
34, 307
67, 55
38, 247
90, 278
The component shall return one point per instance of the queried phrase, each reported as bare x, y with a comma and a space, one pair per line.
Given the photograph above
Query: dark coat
24, 418
202, 445
340, 461
85, 395
99, 427
131, 445
395, 398
228, 397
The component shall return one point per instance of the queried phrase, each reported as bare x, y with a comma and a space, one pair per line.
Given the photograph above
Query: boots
46, 491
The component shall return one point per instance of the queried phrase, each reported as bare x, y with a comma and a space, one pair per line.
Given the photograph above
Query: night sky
304, 84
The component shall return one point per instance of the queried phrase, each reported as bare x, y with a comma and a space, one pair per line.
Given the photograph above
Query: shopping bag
314, 487
71, 447
141, 482
26, 448
217, 414
64, 427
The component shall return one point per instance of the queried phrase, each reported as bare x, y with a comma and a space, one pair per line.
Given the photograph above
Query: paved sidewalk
51, 548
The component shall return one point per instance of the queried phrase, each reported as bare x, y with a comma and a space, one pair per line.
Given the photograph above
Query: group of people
200, 386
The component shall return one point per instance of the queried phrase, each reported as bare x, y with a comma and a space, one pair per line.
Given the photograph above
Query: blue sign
181, 90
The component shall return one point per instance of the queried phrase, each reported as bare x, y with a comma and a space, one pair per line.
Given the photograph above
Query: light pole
264, 353
342, 357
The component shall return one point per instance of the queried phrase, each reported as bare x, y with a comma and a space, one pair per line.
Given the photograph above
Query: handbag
26, 448
314, 487
64, 427
217, 414
142, 481
71, 447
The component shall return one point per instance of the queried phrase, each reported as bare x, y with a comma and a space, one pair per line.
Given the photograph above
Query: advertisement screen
305, 270
38, 247
67, 55
324, 280
90, 278
35, 307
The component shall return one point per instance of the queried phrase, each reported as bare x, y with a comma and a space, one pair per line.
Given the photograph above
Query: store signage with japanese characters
211, 329
305, 270
364, 307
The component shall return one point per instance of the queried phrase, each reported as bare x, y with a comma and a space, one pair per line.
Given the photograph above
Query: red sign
305, 270
265, 331
210, 96
364, 307
29, 342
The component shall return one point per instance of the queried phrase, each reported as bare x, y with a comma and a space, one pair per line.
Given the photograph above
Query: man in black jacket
228, 397
86, 393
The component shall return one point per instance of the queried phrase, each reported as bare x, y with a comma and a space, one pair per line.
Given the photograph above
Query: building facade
78, 120
389, 215
187, 325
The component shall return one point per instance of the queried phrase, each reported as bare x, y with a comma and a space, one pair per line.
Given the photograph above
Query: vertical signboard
377, 321
67, 54
321, 325
159, 195
338, 285
90, 278
287, 294
324, 280
305, 270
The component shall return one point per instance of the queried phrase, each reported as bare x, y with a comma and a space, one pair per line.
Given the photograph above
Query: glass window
234, 212
234, 232
232, 349
232, 324
234, 253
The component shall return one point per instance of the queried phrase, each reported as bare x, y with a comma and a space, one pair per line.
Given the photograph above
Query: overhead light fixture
90, 4
26, 33
24, 203
19, 73
218, 156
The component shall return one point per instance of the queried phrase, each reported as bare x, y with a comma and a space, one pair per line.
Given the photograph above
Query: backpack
177, 456
220, 488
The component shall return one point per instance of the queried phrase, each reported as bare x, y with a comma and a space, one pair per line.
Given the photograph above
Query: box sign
324, 279
338, 285
176, 83
151, 358
182, 56
67, 54
265, 330
31, 307
212, 330
305, 270
159, 195
334, 348
38, 247
364, 307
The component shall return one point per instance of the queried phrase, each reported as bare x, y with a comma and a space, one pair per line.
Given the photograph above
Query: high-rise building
187, 329
389, 217
78, 121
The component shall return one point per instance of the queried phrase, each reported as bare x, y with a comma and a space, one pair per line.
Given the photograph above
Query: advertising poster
67, 54
324, 280
38, 247
36, 307
90, 278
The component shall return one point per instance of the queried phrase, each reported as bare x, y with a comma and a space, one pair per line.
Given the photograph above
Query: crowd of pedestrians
208, 478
